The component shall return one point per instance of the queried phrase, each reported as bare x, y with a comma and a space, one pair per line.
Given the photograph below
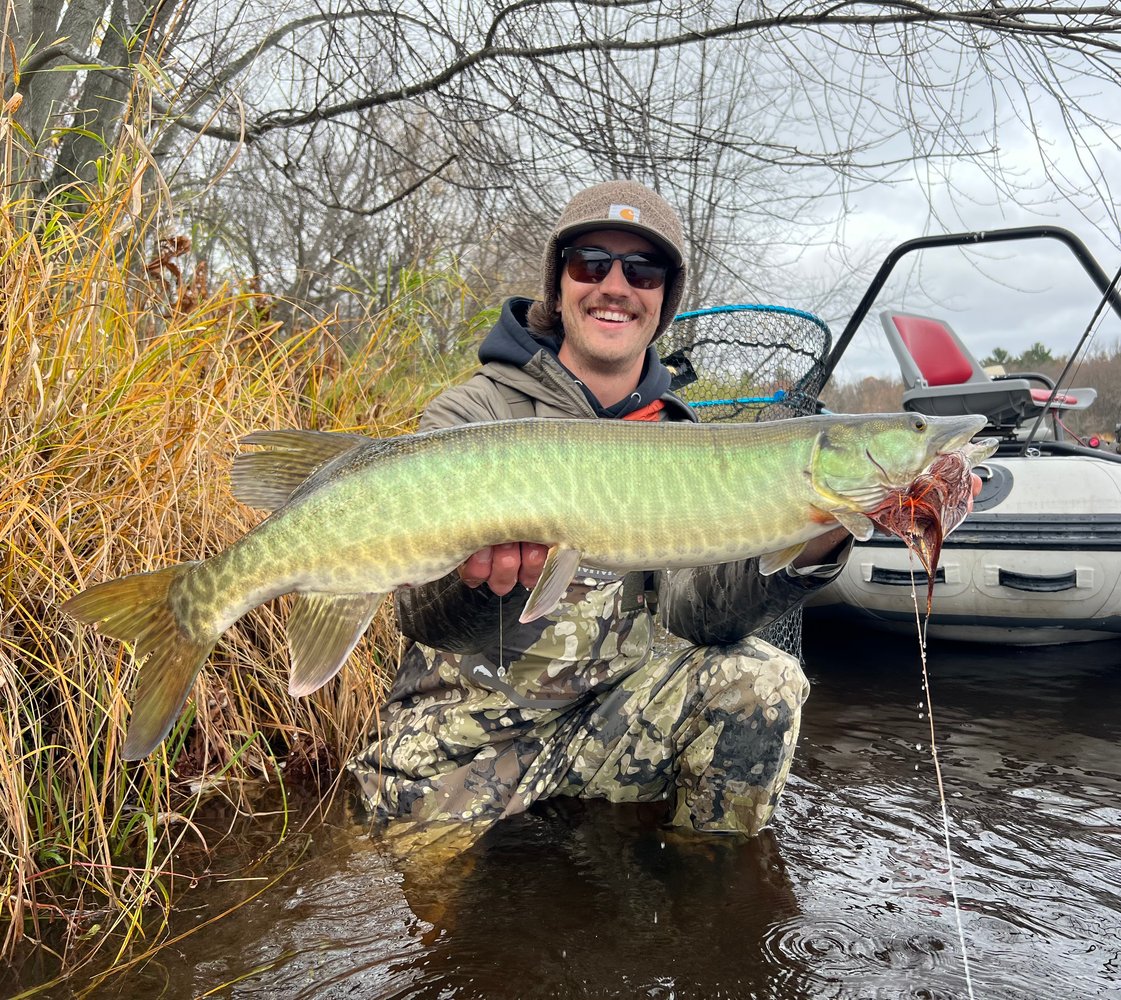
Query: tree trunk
104, 99
42, 31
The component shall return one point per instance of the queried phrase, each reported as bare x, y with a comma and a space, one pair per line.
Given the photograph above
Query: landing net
744, 363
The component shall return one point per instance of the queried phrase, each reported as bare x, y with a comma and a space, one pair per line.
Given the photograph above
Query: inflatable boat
1039, 559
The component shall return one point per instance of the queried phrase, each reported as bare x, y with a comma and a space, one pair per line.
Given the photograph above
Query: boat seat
942, 378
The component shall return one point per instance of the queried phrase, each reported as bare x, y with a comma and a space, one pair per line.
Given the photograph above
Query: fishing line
922, 627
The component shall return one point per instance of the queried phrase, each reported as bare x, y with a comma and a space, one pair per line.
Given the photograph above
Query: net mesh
746, 363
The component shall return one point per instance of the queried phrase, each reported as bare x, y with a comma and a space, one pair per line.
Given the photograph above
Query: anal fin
560, 567
772, 562
322, 631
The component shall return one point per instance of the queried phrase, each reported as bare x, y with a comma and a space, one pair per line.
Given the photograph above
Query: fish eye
917, 423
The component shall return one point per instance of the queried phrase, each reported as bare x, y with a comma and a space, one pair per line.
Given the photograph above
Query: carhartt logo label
625, 213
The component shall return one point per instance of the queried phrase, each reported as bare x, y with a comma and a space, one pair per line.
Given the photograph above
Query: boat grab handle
1037, 584
902, 577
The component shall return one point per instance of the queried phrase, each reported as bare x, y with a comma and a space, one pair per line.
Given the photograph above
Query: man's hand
822, 550
975, 484
501, 566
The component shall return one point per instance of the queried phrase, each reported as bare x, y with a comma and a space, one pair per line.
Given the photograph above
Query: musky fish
353, 518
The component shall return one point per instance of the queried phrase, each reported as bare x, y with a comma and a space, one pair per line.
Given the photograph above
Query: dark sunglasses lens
643, 273
589, 265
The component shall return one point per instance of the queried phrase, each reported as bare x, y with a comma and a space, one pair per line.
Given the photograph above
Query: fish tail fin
138, 608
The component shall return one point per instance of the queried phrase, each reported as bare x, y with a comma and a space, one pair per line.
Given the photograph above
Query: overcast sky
1007, 295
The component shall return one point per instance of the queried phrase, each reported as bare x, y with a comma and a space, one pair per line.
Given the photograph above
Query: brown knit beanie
625, 205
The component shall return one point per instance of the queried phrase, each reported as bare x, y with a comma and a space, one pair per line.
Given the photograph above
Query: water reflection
597, 903
849, 896
1032, 771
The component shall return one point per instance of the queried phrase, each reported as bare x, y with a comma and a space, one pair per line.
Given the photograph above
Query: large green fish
353, 518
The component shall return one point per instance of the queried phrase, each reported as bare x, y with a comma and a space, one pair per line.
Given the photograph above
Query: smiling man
488, 715
607, 325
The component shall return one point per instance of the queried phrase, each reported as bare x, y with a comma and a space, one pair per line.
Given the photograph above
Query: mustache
622, 304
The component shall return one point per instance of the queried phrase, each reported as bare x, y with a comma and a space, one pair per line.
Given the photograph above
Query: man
488, 715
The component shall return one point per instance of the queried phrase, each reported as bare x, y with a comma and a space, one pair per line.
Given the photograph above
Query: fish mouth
954, 433
977, 451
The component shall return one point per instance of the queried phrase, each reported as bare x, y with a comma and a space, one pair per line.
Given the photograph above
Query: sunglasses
590, 265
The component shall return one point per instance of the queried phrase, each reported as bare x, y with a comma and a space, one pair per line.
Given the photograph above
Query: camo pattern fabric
586, 709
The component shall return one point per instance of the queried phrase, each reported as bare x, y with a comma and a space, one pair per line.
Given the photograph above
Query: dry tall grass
124, 388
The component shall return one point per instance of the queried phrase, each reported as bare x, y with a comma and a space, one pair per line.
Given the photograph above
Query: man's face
608, 326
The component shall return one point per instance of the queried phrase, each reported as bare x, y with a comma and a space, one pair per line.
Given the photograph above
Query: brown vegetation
127, 376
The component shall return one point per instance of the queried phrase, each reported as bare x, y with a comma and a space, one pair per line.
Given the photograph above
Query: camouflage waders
710, 728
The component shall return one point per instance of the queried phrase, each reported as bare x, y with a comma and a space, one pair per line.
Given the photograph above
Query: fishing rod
1091, 329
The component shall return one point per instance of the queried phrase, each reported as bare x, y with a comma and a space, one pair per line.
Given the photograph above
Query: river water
848, 896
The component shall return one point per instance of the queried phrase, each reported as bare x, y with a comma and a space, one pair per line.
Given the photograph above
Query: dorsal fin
267, 479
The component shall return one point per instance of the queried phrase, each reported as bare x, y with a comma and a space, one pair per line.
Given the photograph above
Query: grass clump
126, 382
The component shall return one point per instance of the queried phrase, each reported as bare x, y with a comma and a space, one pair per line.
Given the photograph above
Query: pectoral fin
557, 573
322, 631
772, 562
858, 525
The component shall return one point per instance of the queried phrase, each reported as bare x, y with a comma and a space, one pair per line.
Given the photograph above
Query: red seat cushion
1061, 398
934, 350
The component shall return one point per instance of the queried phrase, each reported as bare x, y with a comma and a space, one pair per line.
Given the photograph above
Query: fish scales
355, 518
402, 517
